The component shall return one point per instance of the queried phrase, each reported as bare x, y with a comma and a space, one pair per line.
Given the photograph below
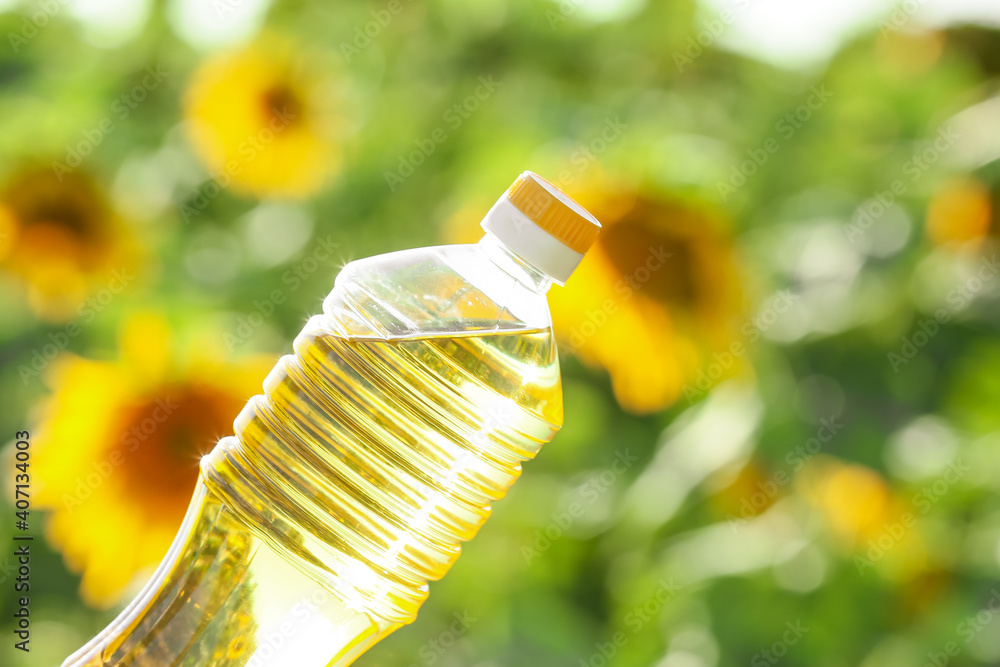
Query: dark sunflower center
62, 213
652, 260
162, 438
283, 105
71, 203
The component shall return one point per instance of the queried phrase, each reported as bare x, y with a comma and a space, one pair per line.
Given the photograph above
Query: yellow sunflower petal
60, 235
145, 347
605, 322
960, 211
79, 419
111, 562
653, 300
258, 122
117, 459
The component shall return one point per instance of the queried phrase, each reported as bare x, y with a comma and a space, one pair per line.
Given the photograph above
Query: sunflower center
282, 104
70, 203
660, 264
63, 215
163, 437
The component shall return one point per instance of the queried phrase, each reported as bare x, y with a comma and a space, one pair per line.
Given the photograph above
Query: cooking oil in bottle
375, 450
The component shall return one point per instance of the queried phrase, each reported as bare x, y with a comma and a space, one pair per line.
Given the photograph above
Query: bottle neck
512, 264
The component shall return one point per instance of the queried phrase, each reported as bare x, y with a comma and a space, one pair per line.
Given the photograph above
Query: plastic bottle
376, 449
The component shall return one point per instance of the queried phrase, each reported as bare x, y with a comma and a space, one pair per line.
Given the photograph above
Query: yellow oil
348, 486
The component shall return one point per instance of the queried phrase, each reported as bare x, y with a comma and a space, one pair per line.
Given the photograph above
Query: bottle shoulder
436, 290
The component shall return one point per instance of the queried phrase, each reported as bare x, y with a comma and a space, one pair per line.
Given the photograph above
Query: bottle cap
543, 226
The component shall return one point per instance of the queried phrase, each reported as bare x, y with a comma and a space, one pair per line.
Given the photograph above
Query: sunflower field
780, 361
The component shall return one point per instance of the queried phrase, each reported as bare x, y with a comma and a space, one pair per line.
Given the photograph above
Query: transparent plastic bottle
374, 452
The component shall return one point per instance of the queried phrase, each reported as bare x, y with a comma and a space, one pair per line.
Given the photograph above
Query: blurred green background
780, 446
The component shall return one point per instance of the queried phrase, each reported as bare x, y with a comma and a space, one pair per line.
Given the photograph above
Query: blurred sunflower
855, 500
118, 449
864, 517
960, 211
751, 492
653, 300
60, 235
910, 54
260, 121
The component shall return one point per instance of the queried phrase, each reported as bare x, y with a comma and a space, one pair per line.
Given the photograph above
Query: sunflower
864, 517
751, 492
960, 211
655, 300
259, 121
118, 449
61, 237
